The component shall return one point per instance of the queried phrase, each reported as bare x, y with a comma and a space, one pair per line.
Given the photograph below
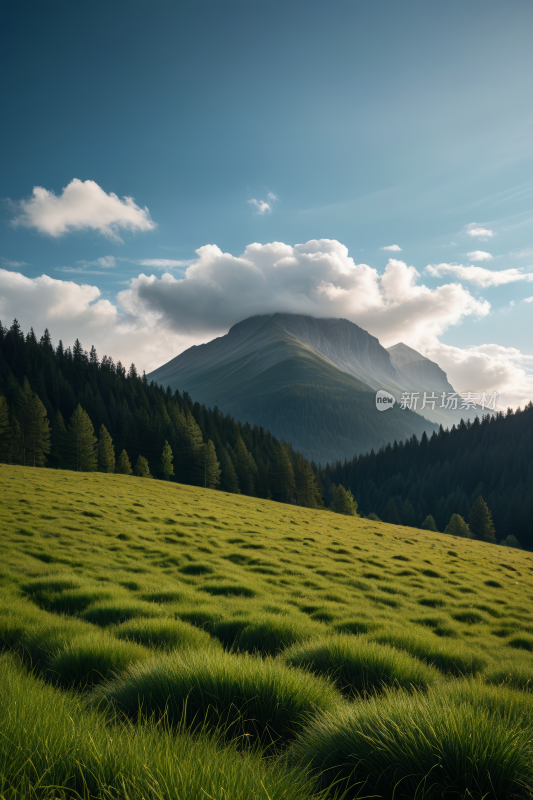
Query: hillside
311, 382
163, 589
444, 474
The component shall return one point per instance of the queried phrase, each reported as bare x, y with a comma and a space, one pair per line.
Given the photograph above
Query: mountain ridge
310, 381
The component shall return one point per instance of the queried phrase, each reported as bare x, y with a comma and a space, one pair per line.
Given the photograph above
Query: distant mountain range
311, 382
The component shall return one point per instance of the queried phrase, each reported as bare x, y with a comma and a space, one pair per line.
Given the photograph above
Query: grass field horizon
298, 653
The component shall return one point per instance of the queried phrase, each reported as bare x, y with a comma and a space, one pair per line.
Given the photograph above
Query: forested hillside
51, 399
444, 474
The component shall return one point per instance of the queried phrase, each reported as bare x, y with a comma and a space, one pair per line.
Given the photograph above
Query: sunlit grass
244, 618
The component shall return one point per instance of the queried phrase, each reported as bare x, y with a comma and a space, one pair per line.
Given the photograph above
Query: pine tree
281, 478
429, 524
390, 512
106, 451
16, 444
243, 468
166, 461
211, 466
457, 527
82, 441
480, 521
344, 502
142, 469
5, 431
511, 541
229, 481
60, 451
123, 464
190, 448
307, 491
35, 428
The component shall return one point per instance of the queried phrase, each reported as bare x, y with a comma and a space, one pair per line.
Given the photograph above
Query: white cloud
528, 300
393, 248
103, 261
489, 368
264, 206
161, 263
83, 205
156, 317
479, 255
15, 264
477, 231
261, 206
69, 310
317, 278
479, 275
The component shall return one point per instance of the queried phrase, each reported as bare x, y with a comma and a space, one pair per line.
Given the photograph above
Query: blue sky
372, 124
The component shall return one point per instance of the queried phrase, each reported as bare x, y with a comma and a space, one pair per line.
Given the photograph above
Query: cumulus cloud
393, 248
42, 301
479, 275
477, 231
318, 278
264, 206
490, 368
82, 205
156, 317
479, 255
70, 310
528, 299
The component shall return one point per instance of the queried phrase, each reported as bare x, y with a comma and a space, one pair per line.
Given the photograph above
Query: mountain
418, 370
309, 381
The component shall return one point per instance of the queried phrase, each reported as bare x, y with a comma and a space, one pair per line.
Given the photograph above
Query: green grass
52, 746
233, 617
360, 667
92, 659
248, 698
164, 634
469, 744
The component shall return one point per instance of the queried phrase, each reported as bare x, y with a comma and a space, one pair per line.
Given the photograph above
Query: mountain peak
402, 354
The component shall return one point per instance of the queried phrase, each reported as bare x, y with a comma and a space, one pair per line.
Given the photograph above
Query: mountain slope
309, 381
419, 369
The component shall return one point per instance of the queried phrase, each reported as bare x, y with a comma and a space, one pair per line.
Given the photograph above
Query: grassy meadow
166, 641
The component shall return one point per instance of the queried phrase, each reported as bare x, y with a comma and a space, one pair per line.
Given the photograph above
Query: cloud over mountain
159, 316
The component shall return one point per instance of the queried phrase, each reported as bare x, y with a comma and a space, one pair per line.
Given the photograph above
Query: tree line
66, 408
444, 475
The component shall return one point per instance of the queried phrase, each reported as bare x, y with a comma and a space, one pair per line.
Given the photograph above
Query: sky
169, 169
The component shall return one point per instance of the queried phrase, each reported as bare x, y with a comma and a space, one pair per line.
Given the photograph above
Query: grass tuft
360, 667
466, 744
113, 613
164, 634
92, 659
450, 658
243, 696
